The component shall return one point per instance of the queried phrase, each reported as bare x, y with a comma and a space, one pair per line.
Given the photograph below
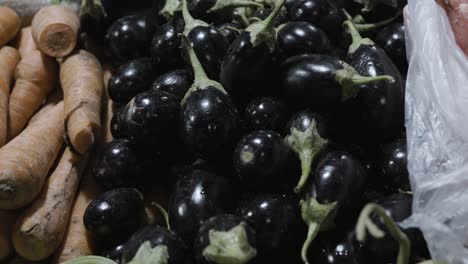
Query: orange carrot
55, 30
7, 219
81, 77
41, 228
77, 241
9, 58
10, 24
36, 77
25, 42
26, 160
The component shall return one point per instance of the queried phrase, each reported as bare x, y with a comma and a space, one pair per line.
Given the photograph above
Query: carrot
7, 219
10, 24
26, 160
81, 77
25, 42
77, 241
40, 230
55, 30
36, 77
9, 58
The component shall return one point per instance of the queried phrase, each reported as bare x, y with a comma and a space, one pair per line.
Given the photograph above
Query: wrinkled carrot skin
36, 76
24, 42
41, 228
9, 58
77, 241
25, 161
10, 24
7, 219
109, 107
55, 30
81, 77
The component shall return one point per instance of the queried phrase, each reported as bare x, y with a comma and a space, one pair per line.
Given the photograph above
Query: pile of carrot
51, 103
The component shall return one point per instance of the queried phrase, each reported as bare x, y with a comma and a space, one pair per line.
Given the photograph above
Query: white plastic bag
437, 131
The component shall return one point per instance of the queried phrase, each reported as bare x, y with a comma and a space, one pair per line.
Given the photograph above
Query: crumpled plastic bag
437, 131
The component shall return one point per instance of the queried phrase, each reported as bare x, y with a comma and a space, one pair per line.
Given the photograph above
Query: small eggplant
209, 44
296, 38
333, 194
129, 38
114, 253
266, 113
209, 120
175, 82
394, 166
392, 40
338, 247
165, 47
249, 67
154, 244
131, 79
378, 107
278, 225
115, 215
230, 31
321, 82
265, 163
198, 195
203, 8
225, 239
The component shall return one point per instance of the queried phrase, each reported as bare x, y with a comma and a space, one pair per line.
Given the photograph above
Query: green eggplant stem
312, 232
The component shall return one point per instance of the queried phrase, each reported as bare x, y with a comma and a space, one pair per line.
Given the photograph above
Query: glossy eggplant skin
302, 120
210, 46
198, 195
152, 116
338, 176
175, 82
278, 225
297, 38
128, 38
209, 123
118, 127
165, 47
131, 79
266, 113
392, 40
224, 222
265, 163
230, 34
115, 215
157, 236
114, 254
338, 247
308, 82
199, 8
323, 13
394, 166
248, 72
379, 107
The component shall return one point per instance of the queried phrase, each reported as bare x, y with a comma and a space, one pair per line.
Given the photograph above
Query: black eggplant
165, 47
209, 44
278, 225
114, 216
131, 79
320, 82
394, 166
333, 195
203, 8
155, 244
175, 82
198, 195
209, 122
225, 239
114, 253
295, 38
378, 108
265, 163
266, 113
392, 40
249, 67
338, 247
231, 31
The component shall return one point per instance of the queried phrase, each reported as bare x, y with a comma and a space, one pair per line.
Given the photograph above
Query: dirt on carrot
10, 24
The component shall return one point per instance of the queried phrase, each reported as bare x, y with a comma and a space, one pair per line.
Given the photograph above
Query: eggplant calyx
365, 224
222, 4
229, 247
363, 27
190, 22
307, 144
163, 213
93, 8
264, 31
318, 217
201, 80
170, 8
148, 255
90, 260
358, 40
350, 80
370, 4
